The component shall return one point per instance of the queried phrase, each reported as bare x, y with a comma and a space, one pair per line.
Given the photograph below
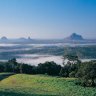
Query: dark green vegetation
5, 75
42, 85
72, 79
85, 72
50, 68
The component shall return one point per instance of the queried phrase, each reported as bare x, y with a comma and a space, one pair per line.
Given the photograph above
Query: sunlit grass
43, 85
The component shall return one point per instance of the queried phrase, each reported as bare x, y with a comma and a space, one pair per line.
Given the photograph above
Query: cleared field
40, 85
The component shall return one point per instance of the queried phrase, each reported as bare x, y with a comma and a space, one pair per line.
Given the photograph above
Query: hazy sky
47, 18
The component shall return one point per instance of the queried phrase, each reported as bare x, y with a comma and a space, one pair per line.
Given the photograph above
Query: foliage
87, 73
50, 68
71, 66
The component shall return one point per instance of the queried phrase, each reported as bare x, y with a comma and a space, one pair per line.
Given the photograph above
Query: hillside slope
40, 85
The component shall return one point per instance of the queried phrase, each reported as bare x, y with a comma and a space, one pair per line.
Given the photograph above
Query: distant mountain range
73, 38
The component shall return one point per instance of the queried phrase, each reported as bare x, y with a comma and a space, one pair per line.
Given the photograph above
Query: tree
28, 69
71, 66
87, 73
50, 68
73, 59
1, 68
20, 68
13, 63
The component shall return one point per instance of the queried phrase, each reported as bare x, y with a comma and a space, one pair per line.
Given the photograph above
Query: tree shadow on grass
6, 93
20, 94
5, 75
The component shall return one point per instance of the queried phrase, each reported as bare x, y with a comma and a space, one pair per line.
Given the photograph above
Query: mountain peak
75, 36
29, 38
3, 38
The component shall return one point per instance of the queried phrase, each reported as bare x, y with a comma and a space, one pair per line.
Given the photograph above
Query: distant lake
35, 53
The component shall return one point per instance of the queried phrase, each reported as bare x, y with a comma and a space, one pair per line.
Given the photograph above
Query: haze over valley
47, 47
34, 51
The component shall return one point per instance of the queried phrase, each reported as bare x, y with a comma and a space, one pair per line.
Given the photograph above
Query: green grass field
40, 85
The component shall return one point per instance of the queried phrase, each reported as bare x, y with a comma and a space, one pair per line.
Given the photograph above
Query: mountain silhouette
4, 38
75, 36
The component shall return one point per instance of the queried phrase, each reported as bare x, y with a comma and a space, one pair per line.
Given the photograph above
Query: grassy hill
40, 85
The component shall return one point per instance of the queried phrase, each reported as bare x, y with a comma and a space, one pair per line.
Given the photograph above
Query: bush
72, 74
87, 74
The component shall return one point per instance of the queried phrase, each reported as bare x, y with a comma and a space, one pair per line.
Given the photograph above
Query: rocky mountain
74, 36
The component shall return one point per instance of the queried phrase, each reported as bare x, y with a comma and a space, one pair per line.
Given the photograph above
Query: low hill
4, 38
41, 85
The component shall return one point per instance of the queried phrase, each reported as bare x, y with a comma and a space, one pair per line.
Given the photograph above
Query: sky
47, 19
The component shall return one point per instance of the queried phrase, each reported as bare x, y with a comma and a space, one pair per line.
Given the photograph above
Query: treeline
85, 72
50, 68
